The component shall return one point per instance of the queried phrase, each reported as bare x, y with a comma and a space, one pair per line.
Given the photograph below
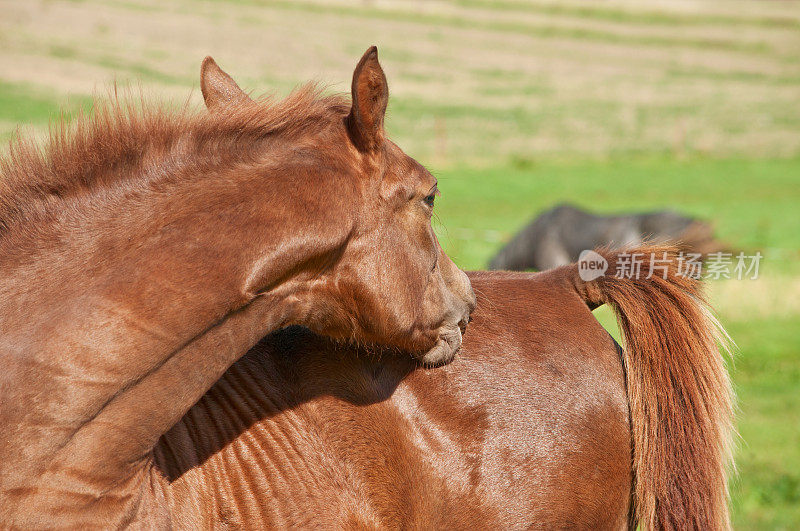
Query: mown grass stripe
24, 104
633, 16
20, 102
540, 31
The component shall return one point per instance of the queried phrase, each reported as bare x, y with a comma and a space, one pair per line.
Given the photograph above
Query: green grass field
516, 106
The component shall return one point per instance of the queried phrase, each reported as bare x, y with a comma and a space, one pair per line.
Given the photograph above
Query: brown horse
542, 421
142, 253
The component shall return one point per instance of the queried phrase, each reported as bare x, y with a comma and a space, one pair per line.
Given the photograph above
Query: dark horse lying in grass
143, 253
558, 236
541, 421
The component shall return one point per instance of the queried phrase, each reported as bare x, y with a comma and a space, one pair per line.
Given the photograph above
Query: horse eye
429, 200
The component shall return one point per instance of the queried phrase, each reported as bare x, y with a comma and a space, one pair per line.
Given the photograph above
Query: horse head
390, 282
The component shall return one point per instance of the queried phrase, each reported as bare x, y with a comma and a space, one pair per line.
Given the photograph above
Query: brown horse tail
680, 397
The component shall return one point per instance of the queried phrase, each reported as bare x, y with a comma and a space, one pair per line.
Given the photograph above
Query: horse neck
126, 329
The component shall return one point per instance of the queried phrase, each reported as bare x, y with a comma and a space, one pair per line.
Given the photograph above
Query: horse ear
219, 89
370, 96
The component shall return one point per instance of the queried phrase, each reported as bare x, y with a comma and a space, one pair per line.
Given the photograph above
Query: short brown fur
532, 426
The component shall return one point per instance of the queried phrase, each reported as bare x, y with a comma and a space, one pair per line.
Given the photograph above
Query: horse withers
143, 252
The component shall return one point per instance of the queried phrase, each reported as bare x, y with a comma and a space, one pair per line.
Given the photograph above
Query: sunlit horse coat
541, 421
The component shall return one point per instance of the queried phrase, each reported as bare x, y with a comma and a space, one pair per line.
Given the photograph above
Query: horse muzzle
446, 347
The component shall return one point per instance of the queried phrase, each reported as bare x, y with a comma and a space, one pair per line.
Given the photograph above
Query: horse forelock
125, 140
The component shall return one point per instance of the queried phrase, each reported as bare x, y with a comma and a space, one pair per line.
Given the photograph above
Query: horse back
528, 426
553, 385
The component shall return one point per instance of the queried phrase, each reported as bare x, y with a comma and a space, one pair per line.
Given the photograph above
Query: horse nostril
462, 324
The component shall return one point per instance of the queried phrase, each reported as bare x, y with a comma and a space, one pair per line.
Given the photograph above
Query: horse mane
126, 140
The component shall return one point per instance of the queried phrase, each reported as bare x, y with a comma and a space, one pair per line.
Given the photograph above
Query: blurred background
515, 106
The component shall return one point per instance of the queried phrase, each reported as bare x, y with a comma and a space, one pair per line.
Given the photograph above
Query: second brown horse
541, 422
